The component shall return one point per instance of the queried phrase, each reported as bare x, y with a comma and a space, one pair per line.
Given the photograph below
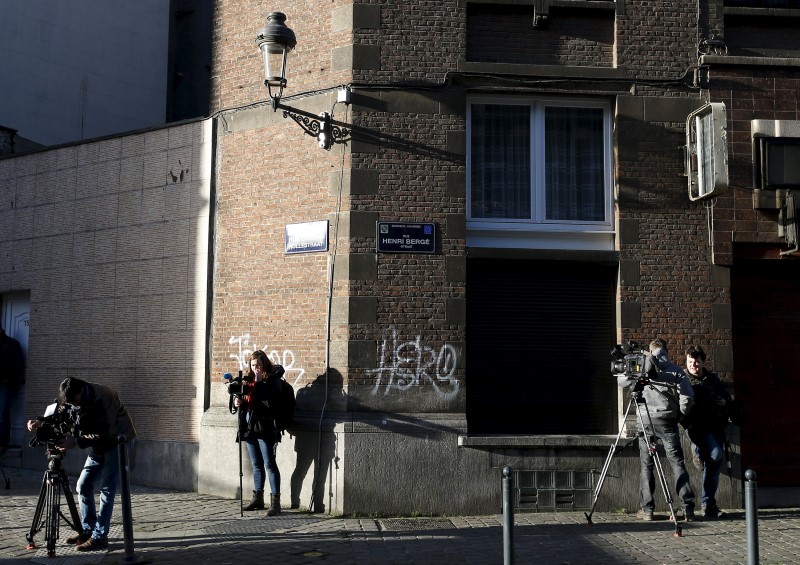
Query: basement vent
416, 524
552, 491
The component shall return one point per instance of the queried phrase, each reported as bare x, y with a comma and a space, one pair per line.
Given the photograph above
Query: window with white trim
540, 165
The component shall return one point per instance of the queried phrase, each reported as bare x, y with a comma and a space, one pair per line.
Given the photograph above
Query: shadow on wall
315, 447
320, 407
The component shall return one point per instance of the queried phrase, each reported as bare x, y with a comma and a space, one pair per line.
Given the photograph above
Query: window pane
574, 176
500, 162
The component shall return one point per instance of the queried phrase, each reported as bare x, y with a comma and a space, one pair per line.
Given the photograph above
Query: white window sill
594, 240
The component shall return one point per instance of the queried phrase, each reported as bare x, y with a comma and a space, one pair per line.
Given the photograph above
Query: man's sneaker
646, 515
713, 512
79, 538
93, 544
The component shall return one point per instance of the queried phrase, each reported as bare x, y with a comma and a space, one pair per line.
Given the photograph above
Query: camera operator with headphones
668, 396
102, 417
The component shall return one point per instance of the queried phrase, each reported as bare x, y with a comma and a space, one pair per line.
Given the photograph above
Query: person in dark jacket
102, 418
706, 425
12, 379
260, 432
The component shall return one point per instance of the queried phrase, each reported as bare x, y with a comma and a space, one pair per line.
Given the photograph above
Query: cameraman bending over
102, 418
668, 394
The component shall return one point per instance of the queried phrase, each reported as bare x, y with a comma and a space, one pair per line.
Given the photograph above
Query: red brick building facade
543, 142
532, 290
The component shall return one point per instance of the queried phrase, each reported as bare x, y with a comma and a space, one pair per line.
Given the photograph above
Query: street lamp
275, 40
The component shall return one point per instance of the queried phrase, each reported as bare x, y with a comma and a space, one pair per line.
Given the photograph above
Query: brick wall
749, 94
656, 40
111, 240
263, 298
237, 75
394, 316
582, 38
674, 287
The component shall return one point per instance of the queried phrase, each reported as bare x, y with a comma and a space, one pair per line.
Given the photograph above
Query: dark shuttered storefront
539, 336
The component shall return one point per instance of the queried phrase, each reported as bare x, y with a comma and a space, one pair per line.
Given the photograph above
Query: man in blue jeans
706, 425
102, 417
669, 396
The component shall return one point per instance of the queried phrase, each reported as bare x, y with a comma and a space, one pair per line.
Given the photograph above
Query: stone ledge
535, 442
730, 60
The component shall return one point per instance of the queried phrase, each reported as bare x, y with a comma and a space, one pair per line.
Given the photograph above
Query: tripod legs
36, 524
641, 410
652, 450
48, 510
51, 521
604, 472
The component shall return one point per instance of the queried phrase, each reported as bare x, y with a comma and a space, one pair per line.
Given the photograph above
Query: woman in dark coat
260, 433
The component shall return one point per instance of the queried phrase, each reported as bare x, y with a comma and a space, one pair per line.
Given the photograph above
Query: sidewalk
189, 528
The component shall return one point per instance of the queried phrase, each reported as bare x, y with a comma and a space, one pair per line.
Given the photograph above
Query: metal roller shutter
539, 336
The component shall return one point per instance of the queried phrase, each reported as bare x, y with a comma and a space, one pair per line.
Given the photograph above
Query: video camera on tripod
632, 362
58, 421
636, 365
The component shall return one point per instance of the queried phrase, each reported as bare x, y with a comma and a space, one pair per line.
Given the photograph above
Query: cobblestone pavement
181, 527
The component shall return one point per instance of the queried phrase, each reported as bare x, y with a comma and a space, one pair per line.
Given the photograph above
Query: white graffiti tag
405, 364
286, 358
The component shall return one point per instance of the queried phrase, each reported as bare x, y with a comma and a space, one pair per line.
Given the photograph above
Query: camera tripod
650, 440
48, 508
241, 427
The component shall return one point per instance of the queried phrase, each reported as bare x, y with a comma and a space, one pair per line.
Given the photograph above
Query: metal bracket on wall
541, 14
787, 224
322, 127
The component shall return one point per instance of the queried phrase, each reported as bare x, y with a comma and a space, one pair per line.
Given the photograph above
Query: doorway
16, 321
765, 297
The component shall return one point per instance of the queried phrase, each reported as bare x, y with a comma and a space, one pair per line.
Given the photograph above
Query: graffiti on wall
404, 364
244, 348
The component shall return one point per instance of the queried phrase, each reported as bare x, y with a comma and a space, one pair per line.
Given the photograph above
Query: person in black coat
12, 378
259, 431
706, 425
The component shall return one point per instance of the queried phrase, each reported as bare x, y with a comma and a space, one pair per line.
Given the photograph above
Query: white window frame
538, 232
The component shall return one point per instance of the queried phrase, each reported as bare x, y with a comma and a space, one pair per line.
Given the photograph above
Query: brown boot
274, 505
258, 501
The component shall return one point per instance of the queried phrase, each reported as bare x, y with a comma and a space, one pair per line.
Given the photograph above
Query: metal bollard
508, 517
751, 516
125, 494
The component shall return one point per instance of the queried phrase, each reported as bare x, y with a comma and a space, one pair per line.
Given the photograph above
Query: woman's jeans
710, 449
262, 456
103, 469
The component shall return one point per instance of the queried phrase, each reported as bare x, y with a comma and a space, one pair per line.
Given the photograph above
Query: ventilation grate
552, 490
405, 524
